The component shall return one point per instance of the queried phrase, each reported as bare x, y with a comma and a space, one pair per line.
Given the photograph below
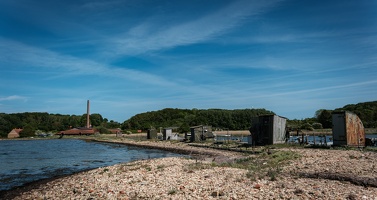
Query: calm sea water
24, 161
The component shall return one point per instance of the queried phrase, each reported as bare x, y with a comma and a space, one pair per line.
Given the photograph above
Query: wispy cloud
96, 5
135, 56
16, 53
13, 97
149, 37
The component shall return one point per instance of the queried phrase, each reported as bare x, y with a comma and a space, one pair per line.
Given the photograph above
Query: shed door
339, 129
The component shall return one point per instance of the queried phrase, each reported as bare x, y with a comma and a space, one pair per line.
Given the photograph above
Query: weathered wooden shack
199, 133
167, 133
268, 129
152, 134
347, 130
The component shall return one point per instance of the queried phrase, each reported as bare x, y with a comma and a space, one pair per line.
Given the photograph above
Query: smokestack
87, 115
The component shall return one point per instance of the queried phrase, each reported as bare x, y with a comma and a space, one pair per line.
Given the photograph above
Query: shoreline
14, 192
181, 178
199, 153
191, 151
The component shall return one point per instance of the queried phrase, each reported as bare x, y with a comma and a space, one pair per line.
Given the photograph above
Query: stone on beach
184, 178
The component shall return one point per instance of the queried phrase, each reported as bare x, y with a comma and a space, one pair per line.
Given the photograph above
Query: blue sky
133, 56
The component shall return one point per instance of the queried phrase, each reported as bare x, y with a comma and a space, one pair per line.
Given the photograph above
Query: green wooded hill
184, 118
240, 119
172, 117
366, 111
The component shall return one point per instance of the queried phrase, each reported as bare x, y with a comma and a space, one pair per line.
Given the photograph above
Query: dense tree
28, 131
47, 122
366, 111
184, 118
96, 119
181, 118
325, 118
184, 128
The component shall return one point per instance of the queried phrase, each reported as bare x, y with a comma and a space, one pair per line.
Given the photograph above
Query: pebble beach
316, 174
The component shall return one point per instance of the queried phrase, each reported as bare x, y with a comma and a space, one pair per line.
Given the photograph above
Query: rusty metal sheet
355, 130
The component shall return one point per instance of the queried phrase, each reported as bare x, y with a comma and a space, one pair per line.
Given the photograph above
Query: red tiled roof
18, 130
115, 130
76, 131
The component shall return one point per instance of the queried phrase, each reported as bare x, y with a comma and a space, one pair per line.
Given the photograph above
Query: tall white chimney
87, 115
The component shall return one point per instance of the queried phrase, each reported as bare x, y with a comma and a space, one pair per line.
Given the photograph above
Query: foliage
184, 128
265, 164
300, 124
325, 118
181, 118
307, 126
317, 125
366, 111
184, 118
27, 131
48, 122
103, 130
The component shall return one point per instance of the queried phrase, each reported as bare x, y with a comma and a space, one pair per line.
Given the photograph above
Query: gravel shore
317, 174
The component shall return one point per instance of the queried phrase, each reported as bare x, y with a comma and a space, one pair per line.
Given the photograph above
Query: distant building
87, 130
152, 134
78, 131
167, 133
15, 133
116, 131
199, 133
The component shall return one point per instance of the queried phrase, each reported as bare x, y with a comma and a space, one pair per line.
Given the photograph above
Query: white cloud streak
12, 98
16, 53
150, 38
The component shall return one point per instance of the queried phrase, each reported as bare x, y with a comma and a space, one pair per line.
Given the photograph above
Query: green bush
103, 130
307, 126
317, 125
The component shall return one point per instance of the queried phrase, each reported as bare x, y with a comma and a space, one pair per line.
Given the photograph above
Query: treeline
33, 121
240, 119
366, 111
185, 118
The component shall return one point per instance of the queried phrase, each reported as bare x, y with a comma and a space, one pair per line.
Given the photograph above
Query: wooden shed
199, 133
15, 133
268, 129
152, 134
167, 133
347, 130
117, 131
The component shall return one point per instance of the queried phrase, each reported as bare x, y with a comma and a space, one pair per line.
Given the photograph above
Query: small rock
217, 194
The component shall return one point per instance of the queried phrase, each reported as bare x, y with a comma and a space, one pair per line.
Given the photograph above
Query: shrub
307, 126
317, 125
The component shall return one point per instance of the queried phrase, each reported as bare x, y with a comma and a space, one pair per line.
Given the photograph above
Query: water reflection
23, 161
